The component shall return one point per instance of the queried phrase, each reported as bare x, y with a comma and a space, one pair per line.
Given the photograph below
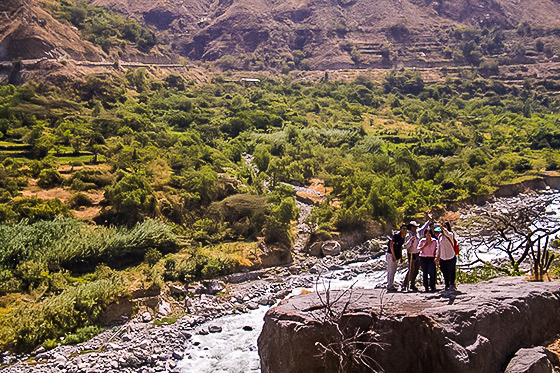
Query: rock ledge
478, 329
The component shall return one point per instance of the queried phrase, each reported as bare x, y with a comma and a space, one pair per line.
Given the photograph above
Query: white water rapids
234, 350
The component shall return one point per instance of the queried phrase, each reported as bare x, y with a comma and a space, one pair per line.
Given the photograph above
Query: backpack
456, 247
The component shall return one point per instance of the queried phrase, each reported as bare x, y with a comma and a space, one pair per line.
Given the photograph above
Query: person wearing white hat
411, 245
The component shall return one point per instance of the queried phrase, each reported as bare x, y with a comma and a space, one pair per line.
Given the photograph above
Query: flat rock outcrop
477, 329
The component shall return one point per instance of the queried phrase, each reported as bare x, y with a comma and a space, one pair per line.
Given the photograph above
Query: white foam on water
234, 350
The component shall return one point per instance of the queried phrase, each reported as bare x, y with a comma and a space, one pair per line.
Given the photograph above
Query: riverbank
141, 345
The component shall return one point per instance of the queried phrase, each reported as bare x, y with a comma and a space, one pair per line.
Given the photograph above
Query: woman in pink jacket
429, 252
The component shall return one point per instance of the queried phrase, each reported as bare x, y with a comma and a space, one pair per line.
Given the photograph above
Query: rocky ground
140, 345
479, 328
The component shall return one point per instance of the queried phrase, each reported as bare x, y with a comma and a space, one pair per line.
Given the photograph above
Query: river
234, 350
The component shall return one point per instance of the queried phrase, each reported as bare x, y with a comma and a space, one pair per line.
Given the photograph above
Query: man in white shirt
411, 245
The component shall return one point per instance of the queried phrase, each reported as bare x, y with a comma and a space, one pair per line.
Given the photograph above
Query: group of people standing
428, 247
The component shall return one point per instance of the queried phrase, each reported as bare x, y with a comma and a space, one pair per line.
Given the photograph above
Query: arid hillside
52, 29
28, 31
312, 34
285, 35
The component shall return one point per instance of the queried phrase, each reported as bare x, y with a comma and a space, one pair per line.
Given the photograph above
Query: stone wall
478, 329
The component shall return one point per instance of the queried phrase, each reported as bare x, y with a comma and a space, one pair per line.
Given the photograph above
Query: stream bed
234, 350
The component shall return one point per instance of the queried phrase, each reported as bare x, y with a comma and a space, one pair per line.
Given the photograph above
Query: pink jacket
430, 250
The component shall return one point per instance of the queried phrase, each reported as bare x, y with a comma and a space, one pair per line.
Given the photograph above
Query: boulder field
479, 328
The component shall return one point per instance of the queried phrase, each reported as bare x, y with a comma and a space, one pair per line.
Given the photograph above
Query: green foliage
32, 209
201, 264
477, 274
152, 256
104, 28
242, 215
96, 178
277, 228
49, 178
406, 83
389, 149
69, 312
82, 335
80, 200
40, 142
71, 244
131, 197
489, 68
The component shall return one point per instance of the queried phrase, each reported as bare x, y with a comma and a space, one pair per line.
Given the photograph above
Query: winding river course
220, 333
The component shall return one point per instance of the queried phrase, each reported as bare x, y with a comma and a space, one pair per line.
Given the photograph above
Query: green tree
131, 197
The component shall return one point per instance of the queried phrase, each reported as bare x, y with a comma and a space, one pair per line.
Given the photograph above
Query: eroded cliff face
27, 31
478, 329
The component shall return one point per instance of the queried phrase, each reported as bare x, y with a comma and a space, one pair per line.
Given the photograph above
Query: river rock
210, 287
530, 360
252, 305
43, 356
146, 317
164, 308
237, 278
314, 249
215, 329
477, 329
330, 248
282, 294
177, 289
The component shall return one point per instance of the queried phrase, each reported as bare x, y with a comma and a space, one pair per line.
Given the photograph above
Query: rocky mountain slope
304, 34
28, 31
337, 33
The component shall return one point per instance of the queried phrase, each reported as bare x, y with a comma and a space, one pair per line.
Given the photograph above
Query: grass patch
86, 158
166, 320
71, 244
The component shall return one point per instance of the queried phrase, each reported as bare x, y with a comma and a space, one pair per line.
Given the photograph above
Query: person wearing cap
429, 252
411, 245
394, 254
447, 257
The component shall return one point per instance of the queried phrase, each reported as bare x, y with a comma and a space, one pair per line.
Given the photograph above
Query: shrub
75, 308
489, 68
152, 256
170, 273
82, 334
92, 176
79, 200
35, 209
49, 178
131, 197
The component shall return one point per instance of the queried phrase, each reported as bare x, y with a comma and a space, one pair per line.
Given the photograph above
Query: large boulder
330, 248
478, 329
530, 360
